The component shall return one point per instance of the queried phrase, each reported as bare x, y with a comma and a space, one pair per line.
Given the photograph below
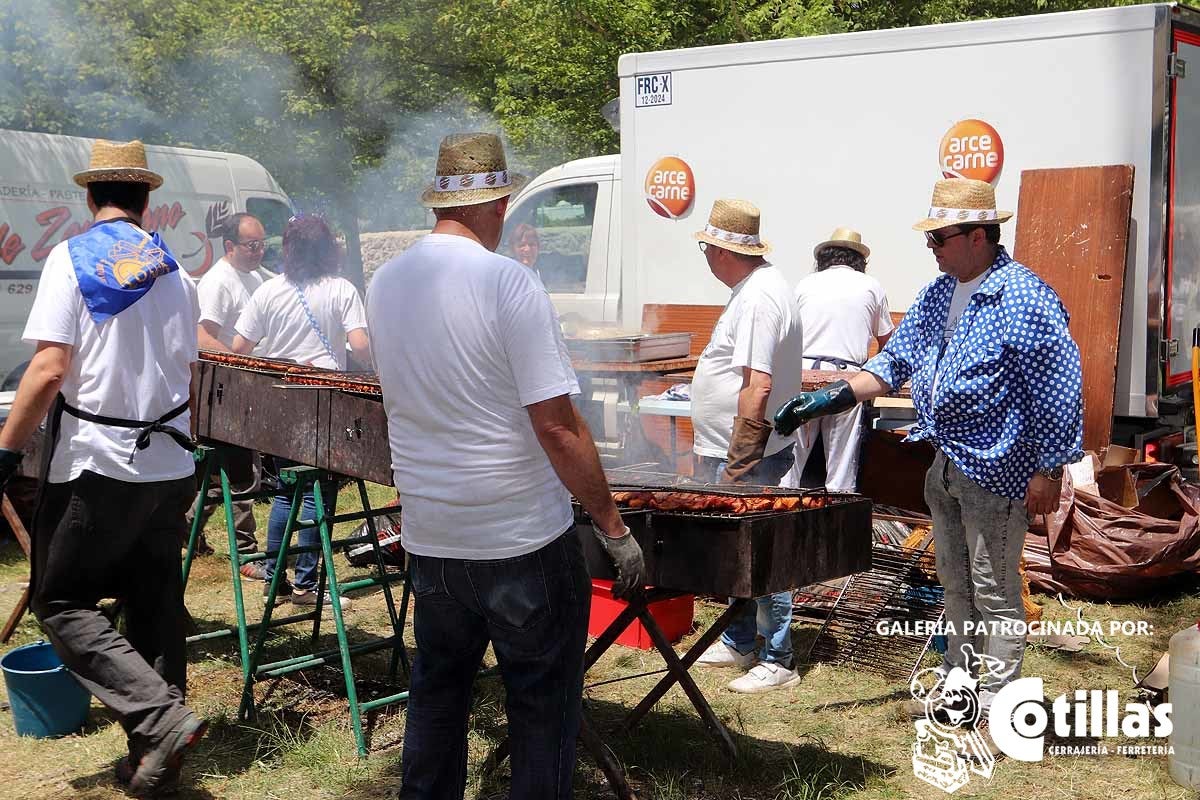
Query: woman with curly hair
307, 314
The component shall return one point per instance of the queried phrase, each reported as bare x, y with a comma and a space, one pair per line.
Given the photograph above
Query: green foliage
344, 101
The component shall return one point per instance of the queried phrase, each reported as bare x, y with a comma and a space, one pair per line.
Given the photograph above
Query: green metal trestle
301, 480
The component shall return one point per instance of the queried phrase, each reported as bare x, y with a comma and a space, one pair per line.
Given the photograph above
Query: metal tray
636, 347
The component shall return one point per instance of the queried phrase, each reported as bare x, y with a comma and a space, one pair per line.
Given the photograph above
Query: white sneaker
720, 654
302, 598
765, 677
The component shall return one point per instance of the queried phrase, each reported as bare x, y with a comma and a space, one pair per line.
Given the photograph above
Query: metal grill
896, 588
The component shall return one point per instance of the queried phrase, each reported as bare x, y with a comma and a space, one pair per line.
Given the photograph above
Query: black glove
833, 399
10, 461
626, 556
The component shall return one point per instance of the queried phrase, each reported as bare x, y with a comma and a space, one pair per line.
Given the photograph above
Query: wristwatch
1054, 473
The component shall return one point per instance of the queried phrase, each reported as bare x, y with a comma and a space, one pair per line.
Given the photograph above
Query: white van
40, 206
853, 129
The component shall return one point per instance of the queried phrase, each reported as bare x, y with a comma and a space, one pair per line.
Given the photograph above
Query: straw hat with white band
471, 169
962, 201
118, 161
844, 237
733, 225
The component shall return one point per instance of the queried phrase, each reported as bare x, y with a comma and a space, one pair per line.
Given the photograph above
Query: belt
145, 429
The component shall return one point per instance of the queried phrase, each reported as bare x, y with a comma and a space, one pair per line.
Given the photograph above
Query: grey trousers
244, 468
978, 538
96, 537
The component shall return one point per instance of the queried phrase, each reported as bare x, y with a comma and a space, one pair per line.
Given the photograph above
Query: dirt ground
839, 733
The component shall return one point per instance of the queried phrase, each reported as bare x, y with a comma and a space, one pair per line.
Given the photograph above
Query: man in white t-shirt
224, 291
114, 324
751, 363
841, 309
487, 450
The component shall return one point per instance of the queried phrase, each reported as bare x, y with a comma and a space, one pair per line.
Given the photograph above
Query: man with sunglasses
996, 383
224, 291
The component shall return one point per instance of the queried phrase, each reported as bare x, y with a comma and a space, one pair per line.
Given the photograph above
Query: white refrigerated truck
40, 205
853, 129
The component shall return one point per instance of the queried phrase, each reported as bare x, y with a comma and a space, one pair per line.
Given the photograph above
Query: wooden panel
680, 318
1073, 231
873, 347
892, 472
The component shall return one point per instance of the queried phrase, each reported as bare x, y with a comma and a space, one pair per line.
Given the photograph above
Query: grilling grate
895, 589
626, 479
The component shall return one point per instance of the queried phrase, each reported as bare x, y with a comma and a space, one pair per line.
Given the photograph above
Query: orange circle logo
670, 187
971, 149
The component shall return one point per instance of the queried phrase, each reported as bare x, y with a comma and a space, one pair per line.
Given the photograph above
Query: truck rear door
1183, 206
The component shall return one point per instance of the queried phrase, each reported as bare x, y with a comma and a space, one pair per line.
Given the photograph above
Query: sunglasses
254, 245
937, 238
703, 246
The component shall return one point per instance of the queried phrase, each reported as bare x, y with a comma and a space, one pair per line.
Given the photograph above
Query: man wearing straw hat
996, 383
114, 324
751, 364
841, 309
487, 450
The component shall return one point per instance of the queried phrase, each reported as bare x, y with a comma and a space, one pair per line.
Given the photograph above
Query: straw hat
844, 237
733, 225
471, 169
118, 161
959, 201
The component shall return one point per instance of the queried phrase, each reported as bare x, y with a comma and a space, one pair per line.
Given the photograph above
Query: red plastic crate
674, 616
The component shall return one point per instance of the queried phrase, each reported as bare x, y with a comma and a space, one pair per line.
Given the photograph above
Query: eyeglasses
255, 245
937, 238
703, 246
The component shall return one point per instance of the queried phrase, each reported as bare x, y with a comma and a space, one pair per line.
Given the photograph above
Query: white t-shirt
958, 304
275, 319
224, 291
759, 329
136, 365
464, 339
840, 310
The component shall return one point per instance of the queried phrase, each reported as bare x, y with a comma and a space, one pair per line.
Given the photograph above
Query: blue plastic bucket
46, 699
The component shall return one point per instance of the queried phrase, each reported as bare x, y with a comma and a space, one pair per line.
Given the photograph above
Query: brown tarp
1097, 549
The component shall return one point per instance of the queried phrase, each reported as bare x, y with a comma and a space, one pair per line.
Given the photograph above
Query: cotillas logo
950, 746
670, 187
971, 149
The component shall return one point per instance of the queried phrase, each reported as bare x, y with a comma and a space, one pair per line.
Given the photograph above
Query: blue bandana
116, 264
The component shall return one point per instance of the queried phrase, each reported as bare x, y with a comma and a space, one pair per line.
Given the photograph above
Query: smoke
334, 140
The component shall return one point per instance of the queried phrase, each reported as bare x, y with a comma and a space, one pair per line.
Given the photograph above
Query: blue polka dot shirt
1009, 387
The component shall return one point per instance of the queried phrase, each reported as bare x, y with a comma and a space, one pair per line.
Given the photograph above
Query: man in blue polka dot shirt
997, 387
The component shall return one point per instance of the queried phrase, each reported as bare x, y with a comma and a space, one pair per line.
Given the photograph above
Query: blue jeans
769, 616
306, 563
534, 611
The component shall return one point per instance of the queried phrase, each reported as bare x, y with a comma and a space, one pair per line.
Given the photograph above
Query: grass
837, 735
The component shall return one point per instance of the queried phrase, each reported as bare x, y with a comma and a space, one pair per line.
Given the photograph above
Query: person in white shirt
751, 363
224, 291
114, 324
307, 314
487, 450
841, 308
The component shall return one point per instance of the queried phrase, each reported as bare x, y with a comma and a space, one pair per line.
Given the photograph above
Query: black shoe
284, 592
158, 768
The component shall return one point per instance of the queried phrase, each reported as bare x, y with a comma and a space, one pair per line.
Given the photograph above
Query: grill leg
204, 458
605, 759
399, 653
677, 671
250, 661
